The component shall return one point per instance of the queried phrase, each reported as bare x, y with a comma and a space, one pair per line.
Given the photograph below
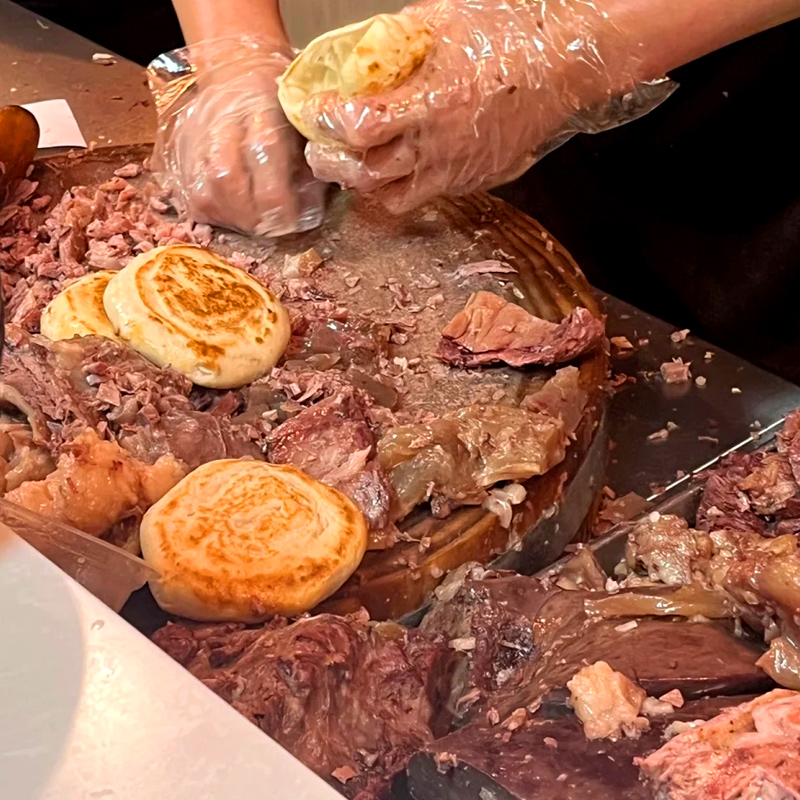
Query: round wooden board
362, 240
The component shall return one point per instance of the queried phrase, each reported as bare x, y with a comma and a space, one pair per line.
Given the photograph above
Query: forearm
213, 19
621, 43
669, 33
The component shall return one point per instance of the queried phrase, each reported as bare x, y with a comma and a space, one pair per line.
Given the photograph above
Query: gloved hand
506, 82
224, 148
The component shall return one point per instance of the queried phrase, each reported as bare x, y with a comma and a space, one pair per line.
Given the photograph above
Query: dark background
692, 213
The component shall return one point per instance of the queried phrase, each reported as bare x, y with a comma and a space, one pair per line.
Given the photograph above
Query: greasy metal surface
360, 240
715, 410
682, 499
43, 61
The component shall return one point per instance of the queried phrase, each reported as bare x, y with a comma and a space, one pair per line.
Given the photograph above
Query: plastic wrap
224, 149
504, 84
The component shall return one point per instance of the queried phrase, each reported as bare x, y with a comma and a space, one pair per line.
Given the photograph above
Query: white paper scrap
57, 124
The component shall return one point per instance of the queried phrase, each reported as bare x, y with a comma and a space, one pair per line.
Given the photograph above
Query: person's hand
505, 83
224, 148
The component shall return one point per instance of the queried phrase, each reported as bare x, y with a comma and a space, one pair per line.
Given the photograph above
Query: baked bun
366, 58
186, 307
78, 310
242, 540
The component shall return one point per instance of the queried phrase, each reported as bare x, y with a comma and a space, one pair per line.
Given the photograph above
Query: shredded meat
749, 751
490, 330
335, 692
96, 485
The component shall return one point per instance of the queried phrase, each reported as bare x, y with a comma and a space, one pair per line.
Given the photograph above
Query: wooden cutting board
416, 250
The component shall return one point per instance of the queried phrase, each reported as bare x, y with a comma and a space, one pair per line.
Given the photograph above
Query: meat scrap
676, 371
607, 703
88, 381
351, 704
491, 330
751, 750
756, 578
84, 230
492, 266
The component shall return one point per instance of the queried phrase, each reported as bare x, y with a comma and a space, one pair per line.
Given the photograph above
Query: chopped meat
622, 343
341, 697
676, 371
749, 751
303, 264
607, 703
771, 484
131, 170
83, 230
333, 442
319, 329
193, 437
457, 457
87, 380
491, 330
679, 336
724, 504
96, 485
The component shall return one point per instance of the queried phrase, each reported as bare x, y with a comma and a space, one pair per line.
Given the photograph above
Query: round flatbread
185, 307
369, 57
79, 310
243, 540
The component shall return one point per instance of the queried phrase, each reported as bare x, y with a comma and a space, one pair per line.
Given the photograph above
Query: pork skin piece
455, 458
491, 330
96, 485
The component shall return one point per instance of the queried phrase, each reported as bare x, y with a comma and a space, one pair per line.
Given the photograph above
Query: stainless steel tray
682, 498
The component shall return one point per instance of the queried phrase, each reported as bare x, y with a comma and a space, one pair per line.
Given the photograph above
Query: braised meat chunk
749, 751
351, 701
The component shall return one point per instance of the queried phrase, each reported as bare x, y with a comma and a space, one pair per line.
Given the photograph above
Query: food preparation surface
403, 274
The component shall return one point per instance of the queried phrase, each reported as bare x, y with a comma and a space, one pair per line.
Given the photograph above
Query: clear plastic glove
224, 149
505, 83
